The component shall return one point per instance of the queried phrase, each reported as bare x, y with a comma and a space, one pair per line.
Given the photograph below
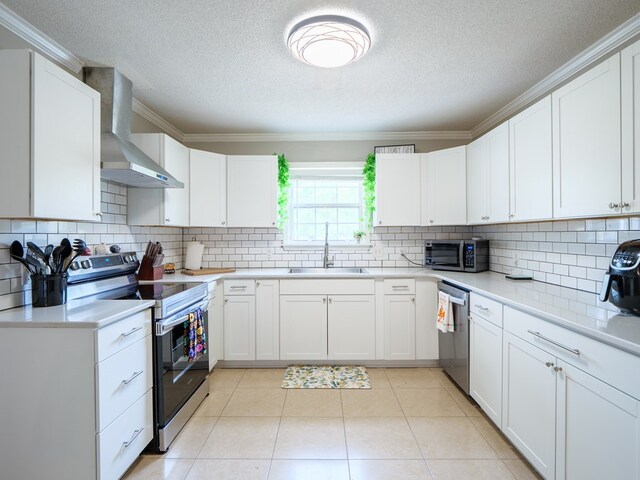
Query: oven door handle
164, 327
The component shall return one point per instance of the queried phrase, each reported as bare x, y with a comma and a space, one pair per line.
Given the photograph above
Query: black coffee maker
621, 285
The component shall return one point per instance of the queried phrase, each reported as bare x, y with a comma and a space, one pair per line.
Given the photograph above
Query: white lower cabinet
351, 327
240, 327
399, 327
485, 359
598, 429
267, 320
303, 327
529, 402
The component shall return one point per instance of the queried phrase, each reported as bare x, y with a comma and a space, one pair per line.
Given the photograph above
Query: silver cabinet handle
404, 287
99, 214
548, 364
324, 300
575, 351
135, 435
430, 221
130, 332
167, 219
413, 300
330, 300
132, 377
226, 300
511, 215
223, 222
242, 287
257, 284
484, 309
379, 222
613, 205
624, 205
557, 369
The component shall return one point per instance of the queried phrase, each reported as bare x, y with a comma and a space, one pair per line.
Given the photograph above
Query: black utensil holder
48, 290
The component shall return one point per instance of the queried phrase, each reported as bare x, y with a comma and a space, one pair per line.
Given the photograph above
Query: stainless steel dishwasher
453, 347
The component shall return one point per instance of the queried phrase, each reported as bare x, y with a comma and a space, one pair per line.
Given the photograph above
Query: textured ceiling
222, 66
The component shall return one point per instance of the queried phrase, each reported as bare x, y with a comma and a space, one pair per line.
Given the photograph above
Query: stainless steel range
181, 379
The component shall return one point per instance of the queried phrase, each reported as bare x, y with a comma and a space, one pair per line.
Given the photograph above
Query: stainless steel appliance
453, 347
179, 385
621, 284
457, 255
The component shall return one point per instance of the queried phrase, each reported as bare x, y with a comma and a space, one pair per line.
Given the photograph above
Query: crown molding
324, 137
148, 114
603, 47
16, 24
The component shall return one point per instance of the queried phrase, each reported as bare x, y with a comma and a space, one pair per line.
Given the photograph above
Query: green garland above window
283, 191
369, 176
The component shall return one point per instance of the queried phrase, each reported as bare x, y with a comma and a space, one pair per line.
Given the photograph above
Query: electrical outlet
378, 252
269, 253
516, 259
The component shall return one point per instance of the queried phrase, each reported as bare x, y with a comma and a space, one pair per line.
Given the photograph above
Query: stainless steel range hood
121, 160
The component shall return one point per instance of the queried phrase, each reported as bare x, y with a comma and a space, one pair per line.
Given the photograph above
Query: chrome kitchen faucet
326, 263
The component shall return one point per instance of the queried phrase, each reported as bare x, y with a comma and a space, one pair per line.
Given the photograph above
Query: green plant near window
283, 191
369, 176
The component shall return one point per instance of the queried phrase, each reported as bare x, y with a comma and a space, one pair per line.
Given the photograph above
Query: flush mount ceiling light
329, 41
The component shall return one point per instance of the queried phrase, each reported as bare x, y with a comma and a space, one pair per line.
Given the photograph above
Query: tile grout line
344, 430
275, 442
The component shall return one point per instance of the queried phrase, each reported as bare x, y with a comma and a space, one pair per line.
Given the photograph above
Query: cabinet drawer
115, 337
121, 443
486, 308
239, 287
615, 367
327, 286
399, 286
122, 379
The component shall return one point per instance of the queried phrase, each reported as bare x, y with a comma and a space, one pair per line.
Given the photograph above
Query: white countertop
574, 309
75, 314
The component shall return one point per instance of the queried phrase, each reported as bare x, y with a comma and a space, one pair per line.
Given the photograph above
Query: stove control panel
95, 267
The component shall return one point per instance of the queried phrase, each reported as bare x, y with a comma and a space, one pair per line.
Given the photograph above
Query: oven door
177, 378
443, 255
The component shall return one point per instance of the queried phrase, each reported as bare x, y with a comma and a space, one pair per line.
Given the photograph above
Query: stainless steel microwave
457, 255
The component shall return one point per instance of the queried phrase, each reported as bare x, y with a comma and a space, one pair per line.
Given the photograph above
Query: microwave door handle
461, 256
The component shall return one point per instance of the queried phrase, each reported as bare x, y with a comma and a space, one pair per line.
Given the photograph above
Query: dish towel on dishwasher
195, 338
445, 315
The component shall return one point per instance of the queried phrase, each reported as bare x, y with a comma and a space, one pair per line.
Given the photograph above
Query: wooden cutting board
208, 271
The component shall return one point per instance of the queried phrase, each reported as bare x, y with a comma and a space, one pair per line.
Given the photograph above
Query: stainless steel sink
329, 271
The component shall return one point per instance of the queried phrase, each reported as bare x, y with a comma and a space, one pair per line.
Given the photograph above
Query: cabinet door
530, 163
399, 327
485, 363
586, 143
65, 145
598, 426
267, 320
240, 327
630, 81
477, 172
443, 187
529, 402
498, 174
303, 327
352, 327
207, 189
176, 200
397, 189
252, 190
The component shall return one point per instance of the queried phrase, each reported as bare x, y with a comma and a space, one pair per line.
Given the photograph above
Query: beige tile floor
413, 424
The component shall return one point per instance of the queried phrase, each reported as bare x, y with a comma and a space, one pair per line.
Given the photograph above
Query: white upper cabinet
252, 190
207, 189
488, 177
443, 187
161, 206
586, 143
630, 66
530, 163
49, 141
397, 189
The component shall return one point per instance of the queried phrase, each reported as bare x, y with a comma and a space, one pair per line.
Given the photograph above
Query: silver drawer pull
238, 286
484, 309
575, 351
135, 435
133, 330
132, 377
399, 286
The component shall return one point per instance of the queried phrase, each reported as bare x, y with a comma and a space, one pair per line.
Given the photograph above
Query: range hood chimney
121, 161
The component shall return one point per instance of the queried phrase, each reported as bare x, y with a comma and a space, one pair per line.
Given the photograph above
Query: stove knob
85, 264
74, 266
126, 258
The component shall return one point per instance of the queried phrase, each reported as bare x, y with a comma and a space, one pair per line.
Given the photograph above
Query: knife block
148, 272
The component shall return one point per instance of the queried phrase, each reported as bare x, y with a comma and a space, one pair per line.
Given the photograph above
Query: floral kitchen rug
326, 376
